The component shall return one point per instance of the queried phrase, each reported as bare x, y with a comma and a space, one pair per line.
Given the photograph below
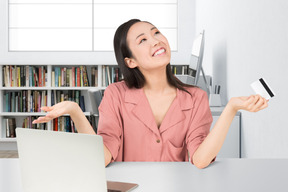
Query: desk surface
221, 176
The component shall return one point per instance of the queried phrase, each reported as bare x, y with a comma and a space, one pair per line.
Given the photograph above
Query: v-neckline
167, 112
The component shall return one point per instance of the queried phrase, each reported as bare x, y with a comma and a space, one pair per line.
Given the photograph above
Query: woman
152, 116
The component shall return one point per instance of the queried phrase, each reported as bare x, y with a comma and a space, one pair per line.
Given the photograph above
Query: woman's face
150, 49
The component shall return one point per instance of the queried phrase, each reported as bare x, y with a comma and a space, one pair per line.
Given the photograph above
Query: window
83, 25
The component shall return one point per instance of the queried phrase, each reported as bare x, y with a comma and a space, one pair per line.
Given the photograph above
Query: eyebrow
143, 33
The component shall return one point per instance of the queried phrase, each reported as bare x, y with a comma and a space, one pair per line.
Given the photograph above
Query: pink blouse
130, 132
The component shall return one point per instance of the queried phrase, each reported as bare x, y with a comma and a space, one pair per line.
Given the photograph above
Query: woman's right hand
57, 110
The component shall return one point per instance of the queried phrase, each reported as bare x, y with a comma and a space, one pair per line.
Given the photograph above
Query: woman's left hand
252, 103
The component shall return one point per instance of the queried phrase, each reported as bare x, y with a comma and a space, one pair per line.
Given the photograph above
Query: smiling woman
138, 39
151, 115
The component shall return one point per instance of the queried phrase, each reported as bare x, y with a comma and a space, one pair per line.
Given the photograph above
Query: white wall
246, 40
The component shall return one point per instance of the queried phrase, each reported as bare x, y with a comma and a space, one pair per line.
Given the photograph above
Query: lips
159, 51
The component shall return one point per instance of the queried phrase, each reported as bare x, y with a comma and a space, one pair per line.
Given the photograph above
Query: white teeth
159, 52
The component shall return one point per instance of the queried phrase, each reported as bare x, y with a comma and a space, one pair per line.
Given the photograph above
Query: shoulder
120, 92
196, 92
118, 87
194, 98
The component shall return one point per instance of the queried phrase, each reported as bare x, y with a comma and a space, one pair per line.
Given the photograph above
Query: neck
156, 82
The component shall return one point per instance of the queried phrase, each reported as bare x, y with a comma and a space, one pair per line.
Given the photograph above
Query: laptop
60, 161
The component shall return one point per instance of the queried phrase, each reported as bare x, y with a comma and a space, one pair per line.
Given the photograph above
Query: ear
130, 62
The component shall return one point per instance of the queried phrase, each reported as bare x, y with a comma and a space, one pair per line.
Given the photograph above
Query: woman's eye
157, 32
142, 41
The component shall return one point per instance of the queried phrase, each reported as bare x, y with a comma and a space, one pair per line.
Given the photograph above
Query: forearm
80, 121
212, 144
83, 126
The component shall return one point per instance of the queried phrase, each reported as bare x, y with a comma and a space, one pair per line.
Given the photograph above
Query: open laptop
59, 161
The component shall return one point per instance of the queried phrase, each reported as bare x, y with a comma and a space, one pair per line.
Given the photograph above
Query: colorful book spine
78, 77
73, 76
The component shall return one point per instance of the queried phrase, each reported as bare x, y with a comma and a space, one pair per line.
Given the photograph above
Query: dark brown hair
133, 76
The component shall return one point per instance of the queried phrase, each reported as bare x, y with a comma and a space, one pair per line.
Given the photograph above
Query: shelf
8, 139
48, 88
20, 114
100, 78
23, 88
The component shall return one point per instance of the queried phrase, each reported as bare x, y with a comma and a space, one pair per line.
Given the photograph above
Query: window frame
186, 33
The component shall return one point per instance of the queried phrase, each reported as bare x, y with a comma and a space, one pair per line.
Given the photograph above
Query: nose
155, 41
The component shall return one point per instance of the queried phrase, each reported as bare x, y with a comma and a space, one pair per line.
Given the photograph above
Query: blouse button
158, 140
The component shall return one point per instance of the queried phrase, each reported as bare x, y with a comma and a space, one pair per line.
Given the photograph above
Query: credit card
262, 88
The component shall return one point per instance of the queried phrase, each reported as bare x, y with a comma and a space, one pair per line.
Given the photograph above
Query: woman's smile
159, 52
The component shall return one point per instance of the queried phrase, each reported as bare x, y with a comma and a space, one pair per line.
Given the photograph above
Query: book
45, 77
23, 78
6, 128
82, 103
11, 123
24, 101
40, 76
16, 103
53, 79
77, 97
13, 102
72, 126
85, 77
35, 75
62, 78
92, 76
56, 76
81, 76
56, 124
78, 77
69, 76
8, 76
27, 75
73, 76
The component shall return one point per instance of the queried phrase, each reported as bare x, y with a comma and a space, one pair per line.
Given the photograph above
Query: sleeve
200, 122
109, 125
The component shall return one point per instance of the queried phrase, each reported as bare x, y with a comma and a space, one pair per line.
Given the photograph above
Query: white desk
231, 175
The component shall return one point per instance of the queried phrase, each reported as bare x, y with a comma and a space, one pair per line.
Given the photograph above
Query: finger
259, 103
257, 98
265, 105
250, 102
41, 120
55, 113
46, 108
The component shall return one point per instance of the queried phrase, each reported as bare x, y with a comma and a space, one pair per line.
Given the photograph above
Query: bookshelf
7, 89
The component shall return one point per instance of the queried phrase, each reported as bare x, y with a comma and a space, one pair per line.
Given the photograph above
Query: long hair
132, 76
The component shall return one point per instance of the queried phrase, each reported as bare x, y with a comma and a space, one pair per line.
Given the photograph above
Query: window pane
50, 40
163, 15
103, 39
50, 15
135, 1
50, 1
66, 25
